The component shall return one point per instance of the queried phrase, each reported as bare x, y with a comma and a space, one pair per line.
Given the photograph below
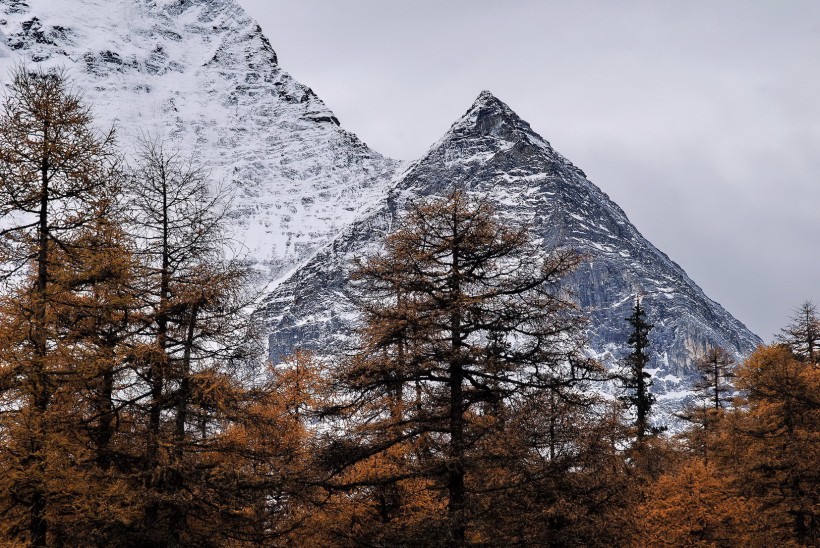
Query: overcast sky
701, 119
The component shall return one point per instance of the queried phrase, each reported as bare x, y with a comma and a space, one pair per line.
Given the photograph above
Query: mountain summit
489, 115
492, 152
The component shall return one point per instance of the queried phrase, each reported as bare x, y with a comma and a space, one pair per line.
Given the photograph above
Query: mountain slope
200, 74
492, 152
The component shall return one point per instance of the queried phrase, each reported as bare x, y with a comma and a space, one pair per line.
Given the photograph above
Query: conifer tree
716, 372
802, 335
695, 504
95, 287
634, 379
466, 336
773, 445
223, 438
52, 164
762, 451
134, 410
713, 389
195, 333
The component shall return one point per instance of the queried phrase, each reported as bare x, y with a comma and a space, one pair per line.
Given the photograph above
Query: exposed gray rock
492, 152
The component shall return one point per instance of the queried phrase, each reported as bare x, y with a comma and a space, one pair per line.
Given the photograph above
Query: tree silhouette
802, 335
634, 379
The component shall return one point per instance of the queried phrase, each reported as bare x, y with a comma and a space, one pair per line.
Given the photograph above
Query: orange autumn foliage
695, 505
754, 479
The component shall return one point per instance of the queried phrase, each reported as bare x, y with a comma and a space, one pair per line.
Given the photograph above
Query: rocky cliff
490, 151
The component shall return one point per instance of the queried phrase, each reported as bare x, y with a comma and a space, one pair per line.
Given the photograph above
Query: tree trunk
38, 525
105, 410
184, 394
158, 364
455, 465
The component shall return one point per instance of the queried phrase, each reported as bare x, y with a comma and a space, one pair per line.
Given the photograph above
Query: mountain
492, 152
201, 75
308, 195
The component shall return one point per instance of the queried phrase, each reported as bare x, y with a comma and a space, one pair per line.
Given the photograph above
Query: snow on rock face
200, 74
4, 49
490, 151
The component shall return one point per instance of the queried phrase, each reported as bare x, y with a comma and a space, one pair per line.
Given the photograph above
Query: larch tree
194, 327
772, 445
223, 455
94, 284
716, 370
468, 344
52, 164
694, 504
713, 395
802, 335
760, 484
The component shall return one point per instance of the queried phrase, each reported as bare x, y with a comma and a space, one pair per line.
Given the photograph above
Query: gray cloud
701, 119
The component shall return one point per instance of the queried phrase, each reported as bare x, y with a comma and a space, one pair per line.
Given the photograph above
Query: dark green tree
634, 380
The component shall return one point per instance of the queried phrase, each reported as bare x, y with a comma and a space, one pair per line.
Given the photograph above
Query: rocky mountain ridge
491, 152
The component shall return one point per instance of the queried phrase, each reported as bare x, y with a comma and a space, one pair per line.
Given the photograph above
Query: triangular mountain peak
489, 137
489, 116
486, 99
491, 152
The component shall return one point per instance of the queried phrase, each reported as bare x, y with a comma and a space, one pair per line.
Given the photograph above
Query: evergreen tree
634, 379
